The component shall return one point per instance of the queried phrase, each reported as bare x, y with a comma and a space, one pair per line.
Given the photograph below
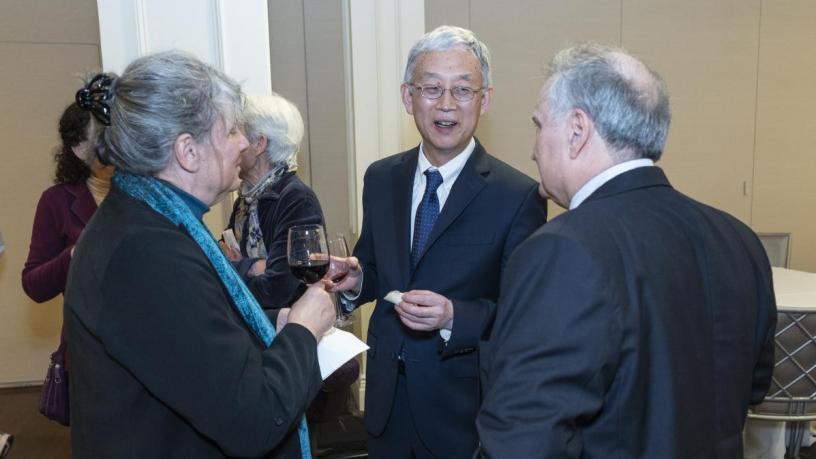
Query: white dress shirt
450, 172
596, 182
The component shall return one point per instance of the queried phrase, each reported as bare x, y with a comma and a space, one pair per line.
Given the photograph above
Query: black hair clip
95, 97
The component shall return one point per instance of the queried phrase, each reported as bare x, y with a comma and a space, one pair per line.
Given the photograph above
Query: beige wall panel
785, 173
522, 37
288, 61
447, 12
44, 21
707, 52
40, 81
327, 111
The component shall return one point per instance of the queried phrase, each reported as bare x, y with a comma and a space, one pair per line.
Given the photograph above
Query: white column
379, 35
232, 36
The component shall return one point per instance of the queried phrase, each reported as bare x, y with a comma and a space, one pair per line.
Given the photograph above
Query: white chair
777, 246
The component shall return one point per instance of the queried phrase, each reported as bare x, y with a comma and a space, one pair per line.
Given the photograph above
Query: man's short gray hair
279, 121
159, 97
627, 101
445, 38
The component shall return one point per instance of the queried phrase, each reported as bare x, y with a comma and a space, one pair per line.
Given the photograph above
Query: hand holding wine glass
313, 310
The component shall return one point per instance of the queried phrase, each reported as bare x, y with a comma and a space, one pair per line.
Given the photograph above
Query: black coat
490, 210
638, 325
162, 364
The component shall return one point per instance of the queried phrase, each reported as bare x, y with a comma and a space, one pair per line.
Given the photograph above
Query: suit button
278, 422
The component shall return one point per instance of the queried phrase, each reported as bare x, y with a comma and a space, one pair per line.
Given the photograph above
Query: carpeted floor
35, 437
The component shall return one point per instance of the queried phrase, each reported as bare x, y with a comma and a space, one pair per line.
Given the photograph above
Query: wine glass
339, 248
308, 253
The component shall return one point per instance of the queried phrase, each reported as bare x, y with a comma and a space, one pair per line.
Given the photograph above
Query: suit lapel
402, 181
470, 181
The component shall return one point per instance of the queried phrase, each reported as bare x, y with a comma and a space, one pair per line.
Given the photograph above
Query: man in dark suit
639, 324
439, 223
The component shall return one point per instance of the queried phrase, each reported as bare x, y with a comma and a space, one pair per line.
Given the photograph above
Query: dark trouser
399, 440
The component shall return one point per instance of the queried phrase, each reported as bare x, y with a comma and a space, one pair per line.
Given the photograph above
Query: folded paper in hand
336, 348
394, 296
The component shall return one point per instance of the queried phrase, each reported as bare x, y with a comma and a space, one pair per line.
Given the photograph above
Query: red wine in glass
311, 272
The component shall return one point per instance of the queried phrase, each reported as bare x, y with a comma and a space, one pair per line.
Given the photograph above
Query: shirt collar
596, 182
451, 169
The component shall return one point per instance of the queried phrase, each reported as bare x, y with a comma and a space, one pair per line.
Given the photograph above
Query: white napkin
336, 348
394, 296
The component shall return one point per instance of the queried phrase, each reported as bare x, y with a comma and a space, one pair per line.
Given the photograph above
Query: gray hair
445, 38
279, 121
627, 101
158, 98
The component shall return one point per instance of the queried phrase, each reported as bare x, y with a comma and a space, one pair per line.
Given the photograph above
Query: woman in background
272, 200
81, 183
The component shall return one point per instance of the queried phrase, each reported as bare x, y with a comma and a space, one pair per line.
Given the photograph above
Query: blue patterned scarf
167, 203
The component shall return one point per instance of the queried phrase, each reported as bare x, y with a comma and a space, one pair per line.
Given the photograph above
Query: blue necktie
426, 214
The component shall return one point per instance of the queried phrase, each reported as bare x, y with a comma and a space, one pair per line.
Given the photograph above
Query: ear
487, 97
260, 146
407, 99
580, 128
187, 153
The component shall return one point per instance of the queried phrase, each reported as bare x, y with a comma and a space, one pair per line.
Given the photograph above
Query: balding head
626, 100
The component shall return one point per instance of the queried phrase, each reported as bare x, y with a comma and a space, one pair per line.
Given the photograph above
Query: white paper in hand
336, 348
229, 239
394, 296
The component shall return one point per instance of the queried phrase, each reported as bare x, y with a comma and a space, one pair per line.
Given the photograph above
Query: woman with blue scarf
171, 354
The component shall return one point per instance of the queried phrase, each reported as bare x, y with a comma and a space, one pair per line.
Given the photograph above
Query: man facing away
439, 223
640, 323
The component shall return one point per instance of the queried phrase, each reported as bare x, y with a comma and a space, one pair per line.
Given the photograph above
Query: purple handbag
54, 397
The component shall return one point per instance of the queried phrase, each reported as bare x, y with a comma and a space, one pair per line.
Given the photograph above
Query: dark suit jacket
490, 210
287, 203
639, 325
62, 213
162, 363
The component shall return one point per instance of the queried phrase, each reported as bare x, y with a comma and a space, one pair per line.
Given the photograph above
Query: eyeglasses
460, 93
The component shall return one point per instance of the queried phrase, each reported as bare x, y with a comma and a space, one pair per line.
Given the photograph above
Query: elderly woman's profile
171, 355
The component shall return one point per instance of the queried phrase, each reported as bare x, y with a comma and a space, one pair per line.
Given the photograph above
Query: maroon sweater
62, 213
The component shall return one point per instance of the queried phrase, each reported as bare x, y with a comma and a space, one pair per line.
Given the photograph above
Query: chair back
777, 246
792, 395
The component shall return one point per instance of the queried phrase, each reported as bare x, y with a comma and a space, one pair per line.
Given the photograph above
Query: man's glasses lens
460, 93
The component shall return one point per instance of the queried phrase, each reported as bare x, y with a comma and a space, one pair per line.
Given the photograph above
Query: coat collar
642, 177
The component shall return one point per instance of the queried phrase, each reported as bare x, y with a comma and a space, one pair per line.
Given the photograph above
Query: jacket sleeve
554, 348
473, 319
46, 269
277, 287
168, 321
